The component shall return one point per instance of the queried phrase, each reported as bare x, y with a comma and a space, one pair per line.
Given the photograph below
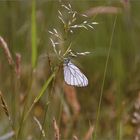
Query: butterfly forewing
73, 76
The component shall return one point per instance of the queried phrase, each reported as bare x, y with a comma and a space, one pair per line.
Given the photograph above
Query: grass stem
104, 77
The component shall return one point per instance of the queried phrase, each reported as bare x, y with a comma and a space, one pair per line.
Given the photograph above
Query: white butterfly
73, 76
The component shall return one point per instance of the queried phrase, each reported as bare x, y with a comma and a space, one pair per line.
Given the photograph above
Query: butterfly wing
73, 76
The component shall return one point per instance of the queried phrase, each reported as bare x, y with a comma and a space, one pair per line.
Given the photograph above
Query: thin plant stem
15, 101
120, 130
40, 95
48, 104
33, 62
44, 120
104, 77
25, 107
60, 111
34, 34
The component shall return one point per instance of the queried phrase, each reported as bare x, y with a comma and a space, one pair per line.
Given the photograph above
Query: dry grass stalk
40, 126
136, 118
75, 138
4, 106
89, 133
103, 10
56, 130
70, 93
18, 65
4, 45
126, 4
7, 136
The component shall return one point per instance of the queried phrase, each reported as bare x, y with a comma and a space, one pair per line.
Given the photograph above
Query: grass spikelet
75, 138
18, 65
103, 10
4, 45
56, 130
4, 106
89, 133
136, 118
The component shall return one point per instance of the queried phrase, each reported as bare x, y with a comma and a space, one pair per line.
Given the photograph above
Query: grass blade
104, 77
40, 94
44, 88
33, 34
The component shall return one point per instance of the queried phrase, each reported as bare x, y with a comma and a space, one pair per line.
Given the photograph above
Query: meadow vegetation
99, 37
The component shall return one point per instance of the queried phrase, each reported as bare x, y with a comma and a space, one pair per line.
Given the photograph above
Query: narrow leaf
33, 34
44, 88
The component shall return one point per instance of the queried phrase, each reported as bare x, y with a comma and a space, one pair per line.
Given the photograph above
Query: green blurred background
122, 80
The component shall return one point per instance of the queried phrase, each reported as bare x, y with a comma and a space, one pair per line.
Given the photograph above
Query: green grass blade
33, 34
103, 82
39, 95
44, 88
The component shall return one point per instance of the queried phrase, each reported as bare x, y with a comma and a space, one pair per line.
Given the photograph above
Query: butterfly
72, 74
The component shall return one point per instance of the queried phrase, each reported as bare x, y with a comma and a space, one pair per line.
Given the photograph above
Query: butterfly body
73, 76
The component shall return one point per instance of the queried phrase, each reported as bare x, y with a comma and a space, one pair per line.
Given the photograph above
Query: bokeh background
75, 109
